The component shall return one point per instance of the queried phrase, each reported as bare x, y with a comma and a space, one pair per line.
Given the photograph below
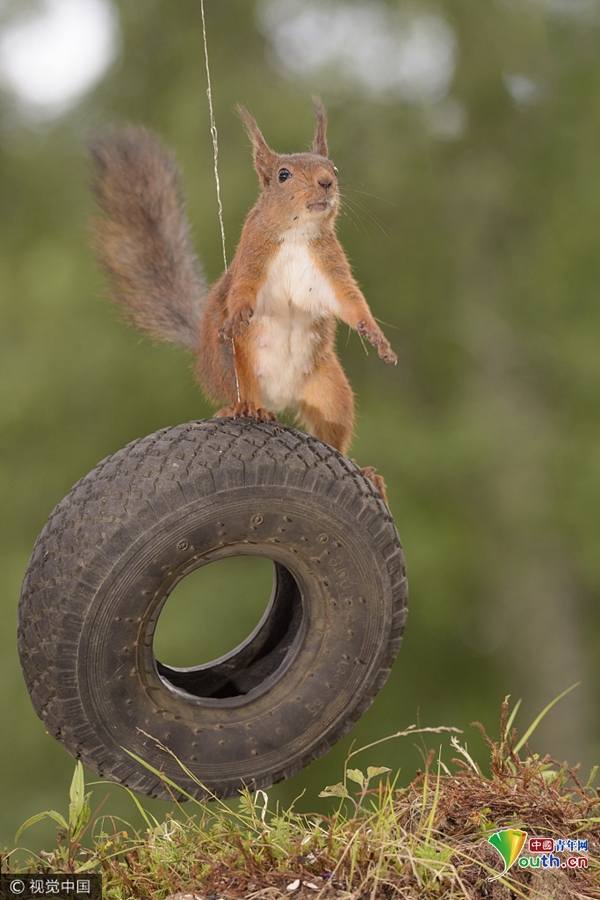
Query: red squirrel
264, 333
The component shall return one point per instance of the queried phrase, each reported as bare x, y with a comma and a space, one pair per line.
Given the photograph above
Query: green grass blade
146, 816
511, 718
165, 779
539, 718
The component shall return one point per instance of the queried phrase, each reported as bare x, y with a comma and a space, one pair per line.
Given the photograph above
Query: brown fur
143, 243
144, 246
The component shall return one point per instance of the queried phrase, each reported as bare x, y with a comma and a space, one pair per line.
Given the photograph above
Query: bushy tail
143, 243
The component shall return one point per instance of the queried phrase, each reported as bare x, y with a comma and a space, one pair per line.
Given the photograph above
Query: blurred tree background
467, 136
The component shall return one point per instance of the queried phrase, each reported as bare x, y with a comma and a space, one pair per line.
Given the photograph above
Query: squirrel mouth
318, 205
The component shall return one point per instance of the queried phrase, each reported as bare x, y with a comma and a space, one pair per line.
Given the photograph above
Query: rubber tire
128, 532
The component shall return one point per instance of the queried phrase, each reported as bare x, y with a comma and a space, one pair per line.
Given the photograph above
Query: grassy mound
426, 840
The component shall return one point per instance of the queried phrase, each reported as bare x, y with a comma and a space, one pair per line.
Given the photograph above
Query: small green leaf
372, 771
31, 821
82, 819
79, 807
549, 777
335, 790
49, 814
86, 866
356, 775
77, 789
60, 820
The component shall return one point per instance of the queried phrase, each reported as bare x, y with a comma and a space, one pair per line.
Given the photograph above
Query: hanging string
215, 143
213, 131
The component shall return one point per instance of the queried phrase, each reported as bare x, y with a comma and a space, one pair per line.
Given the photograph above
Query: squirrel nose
325, 182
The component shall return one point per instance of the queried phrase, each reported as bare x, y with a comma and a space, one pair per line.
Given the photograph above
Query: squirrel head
299, 187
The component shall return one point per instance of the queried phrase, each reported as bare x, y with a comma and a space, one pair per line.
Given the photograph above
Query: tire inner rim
270, 647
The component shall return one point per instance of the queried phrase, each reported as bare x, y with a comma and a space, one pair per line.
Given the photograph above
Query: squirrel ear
264, 157
320, 141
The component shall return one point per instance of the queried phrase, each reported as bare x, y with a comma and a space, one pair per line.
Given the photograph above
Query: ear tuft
264, 157
320, 140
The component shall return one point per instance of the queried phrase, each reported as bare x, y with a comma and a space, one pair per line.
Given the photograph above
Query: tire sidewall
325, 676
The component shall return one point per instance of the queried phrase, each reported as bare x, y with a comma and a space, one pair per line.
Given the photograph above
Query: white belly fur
289, 305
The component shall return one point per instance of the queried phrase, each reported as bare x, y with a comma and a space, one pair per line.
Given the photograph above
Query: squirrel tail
143, 242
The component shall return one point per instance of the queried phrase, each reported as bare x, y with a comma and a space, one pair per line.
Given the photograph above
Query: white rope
215, 143
213, 131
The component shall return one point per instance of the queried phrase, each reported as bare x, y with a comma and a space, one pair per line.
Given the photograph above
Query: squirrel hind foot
378, 480
245, 409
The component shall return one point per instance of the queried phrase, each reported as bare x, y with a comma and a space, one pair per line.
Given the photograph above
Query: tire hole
227, 627
212, 610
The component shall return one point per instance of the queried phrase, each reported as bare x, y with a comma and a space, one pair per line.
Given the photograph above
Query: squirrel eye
336, 171
284, 174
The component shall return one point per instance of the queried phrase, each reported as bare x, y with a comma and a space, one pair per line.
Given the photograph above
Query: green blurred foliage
481, 252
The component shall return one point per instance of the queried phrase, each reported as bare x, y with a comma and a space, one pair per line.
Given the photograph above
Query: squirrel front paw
376, 337
385, 352
246, 409
236, 324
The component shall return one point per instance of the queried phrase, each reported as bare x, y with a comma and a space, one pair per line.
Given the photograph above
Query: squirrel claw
236, 324
377, 339
246, 409
364, 331
387, 354
370, 472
